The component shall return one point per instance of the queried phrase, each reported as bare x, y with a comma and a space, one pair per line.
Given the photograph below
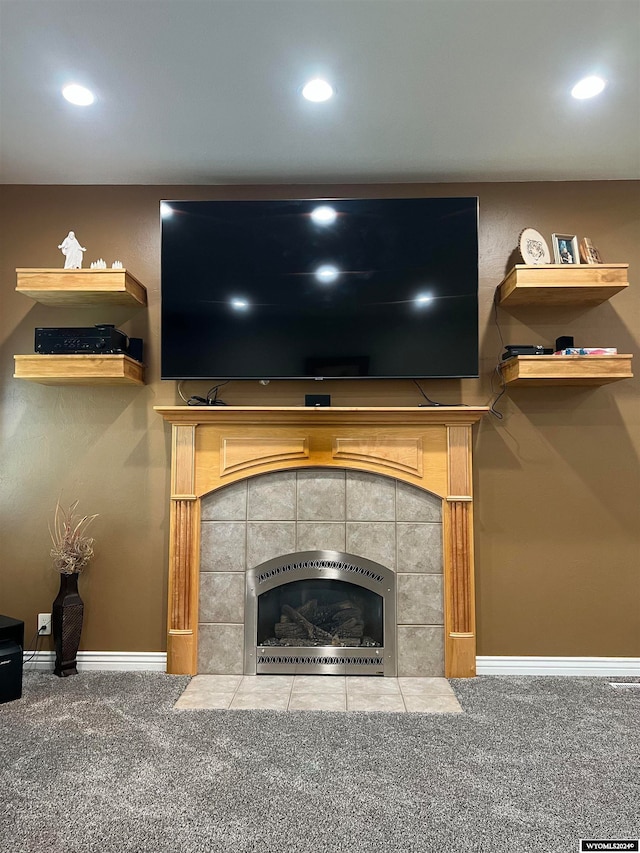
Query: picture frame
588, 252
565, 248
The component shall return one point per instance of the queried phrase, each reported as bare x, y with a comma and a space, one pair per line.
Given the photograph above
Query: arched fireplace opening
320, 613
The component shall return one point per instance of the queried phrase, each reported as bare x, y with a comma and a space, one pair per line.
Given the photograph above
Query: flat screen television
380, 288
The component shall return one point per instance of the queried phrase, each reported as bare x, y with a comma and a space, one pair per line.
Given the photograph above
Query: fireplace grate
323, 661
317, 565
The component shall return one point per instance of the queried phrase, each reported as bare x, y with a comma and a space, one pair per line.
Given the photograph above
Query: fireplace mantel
428, 447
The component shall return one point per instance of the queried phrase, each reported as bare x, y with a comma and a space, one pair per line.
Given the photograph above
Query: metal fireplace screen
320, 612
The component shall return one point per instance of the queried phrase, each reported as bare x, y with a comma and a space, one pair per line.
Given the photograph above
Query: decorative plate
533, 247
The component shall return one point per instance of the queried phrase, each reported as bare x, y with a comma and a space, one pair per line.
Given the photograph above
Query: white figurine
72, 250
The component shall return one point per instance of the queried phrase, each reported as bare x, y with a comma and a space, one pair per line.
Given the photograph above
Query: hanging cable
431, 402
496, 395
35, 639
210, 400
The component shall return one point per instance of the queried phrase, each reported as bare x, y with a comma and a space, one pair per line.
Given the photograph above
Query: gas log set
314, 624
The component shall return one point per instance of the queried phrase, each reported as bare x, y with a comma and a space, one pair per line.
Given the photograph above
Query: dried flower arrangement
72, 549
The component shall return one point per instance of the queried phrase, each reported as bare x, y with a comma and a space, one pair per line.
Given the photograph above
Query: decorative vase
66, 625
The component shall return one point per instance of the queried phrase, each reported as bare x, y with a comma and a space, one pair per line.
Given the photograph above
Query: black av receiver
76, 340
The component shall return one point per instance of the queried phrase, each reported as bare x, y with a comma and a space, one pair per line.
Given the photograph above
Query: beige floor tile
432, 704
361, 702
266, 683
425, 686
205, 700
360, 685
256, 701
319, 684
213, 683
317, 702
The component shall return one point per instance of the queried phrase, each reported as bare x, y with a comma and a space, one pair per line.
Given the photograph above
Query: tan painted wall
557, 479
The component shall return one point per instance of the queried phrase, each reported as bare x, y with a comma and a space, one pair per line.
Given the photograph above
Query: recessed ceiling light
317, 90
78, 95
589, 87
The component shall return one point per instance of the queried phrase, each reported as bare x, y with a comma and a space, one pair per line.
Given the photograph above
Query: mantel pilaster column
459, 604
184, 555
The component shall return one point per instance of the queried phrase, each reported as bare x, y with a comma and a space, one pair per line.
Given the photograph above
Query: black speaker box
564, 342
10, 672
11, 645
135, 348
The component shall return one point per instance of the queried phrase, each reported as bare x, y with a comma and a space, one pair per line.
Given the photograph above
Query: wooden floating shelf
566, 369
562, 284
81, 288
112, 369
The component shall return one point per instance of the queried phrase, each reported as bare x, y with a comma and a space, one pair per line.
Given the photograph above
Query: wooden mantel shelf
328, 415
562, 284
81, 288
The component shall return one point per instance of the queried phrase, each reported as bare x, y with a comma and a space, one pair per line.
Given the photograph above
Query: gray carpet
102, 762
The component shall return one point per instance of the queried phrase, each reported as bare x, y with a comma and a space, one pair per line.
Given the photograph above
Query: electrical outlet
44, 624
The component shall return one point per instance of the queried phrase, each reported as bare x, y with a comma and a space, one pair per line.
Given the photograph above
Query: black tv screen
320, 288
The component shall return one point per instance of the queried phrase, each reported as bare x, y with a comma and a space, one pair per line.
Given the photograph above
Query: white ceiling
207, 91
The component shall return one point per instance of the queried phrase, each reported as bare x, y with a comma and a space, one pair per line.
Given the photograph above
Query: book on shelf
587, 351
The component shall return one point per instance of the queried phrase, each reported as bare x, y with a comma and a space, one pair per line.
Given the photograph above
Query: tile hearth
319, 693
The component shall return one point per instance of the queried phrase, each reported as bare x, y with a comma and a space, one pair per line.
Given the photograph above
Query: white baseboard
531, 665
88, 661
485, 664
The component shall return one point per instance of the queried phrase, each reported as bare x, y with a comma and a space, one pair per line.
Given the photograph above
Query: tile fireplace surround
393, 485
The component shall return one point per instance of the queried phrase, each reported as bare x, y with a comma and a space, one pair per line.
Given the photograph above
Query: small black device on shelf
564, 342
317, 400
512, 350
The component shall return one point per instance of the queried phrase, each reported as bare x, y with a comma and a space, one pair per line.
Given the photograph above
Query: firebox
320, 613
